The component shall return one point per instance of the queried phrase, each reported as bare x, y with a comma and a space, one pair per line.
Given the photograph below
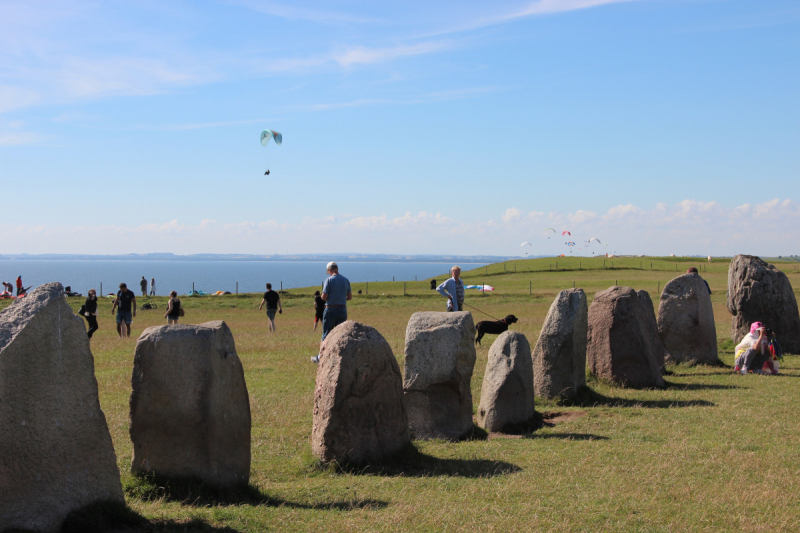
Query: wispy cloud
363, 55
21, 138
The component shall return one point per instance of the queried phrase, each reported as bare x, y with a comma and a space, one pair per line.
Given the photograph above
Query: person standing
173, 309
453, 290
319, 308
125, 306
19, 285
335, 293
693, 270
90, 311
273, 301
143, 285
153, 287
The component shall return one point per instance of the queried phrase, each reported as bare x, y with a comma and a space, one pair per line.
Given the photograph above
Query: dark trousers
19, 291
751, 359
332, 317
92, 320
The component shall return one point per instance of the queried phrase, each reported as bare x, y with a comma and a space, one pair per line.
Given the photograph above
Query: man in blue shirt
335, 292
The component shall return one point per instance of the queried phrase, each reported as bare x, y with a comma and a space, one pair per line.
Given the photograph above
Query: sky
414, 127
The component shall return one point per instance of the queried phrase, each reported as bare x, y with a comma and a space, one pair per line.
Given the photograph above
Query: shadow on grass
703, 386
410, 462
587, 397
566, 436
102, 517
195, 493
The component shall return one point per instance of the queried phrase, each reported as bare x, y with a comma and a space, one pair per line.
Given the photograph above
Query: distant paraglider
565, 232
526, 242
549, 229
266, 135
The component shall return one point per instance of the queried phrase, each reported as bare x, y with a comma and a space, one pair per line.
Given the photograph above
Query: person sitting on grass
752, 352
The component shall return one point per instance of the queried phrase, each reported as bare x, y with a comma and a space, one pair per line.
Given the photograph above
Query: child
319, 308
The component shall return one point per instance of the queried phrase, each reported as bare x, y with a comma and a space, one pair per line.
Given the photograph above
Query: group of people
143, 285
124, 307
8, 289
759, 351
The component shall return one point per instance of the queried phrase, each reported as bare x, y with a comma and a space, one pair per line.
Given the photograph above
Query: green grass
712, 452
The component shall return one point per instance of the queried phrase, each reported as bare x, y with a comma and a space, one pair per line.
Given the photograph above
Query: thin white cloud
364, 55
21, 138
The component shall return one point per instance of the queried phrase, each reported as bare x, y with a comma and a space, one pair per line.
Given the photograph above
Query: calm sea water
208, 276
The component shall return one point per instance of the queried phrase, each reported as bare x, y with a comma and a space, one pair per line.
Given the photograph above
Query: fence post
392, 279
658, 289
237, 288
573, 283
193, 286
101, 289
368, 288
580, 265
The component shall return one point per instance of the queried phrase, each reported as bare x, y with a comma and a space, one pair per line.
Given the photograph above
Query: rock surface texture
651, 326
759, 292
439, 360
686, 321
56, 454
189, 407
559, 358
507, 392
358, 400
620, 345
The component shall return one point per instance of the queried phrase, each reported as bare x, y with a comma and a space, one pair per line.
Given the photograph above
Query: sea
207, 276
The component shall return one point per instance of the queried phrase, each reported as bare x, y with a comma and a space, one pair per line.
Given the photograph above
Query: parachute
550, 229
565, 232
526, 242
570, 243
595, 239
266, 135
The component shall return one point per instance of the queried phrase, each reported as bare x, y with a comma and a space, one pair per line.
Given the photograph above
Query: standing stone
559, 359
190, 411
651, 327
358, 400
759, 292
507, 392
686, 321
56, 453
620, 345
439, 360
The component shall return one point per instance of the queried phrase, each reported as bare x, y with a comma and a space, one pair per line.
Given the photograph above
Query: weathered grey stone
507, 392
439, 360
651, 328
759, 292
358, 400
620, 346
686, 321
559, 359
189, 407
56, 453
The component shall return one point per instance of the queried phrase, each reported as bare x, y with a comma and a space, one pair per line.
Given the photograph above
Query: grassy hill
712, 452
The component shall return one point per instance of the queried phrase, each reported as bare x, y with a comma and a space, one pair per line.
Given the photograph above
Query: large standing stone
56, 453
358, 400
439, 360
651, 327
686, 321
759, 292
559, 359
507, 392
190, 411
620, 345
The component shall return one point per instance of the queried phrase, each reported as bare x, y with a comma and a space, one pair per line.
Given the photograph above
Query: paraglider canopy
565, 232
266, 135
595, 239
524, 243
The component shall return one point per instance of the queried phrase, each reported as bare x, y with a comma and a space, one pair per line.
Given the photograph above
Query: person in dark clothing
319, 308
143, 285
693, 270
125, 306
273, 301
9, 288
90, 312
173, 309
19, 285
433, 284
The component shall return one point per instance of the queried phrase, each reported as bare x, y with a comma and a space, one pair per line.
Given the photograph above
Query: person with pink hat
751, 352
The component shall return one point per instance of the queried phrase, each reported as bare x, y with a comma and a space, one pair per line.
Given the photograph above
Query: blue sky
410, 127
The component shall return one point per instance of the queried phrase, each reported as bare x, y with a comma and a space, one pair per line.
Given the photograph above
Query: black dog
494, 327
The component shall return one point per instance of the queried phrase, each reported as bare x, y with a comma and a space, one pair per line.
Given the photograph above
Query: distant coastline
352, 257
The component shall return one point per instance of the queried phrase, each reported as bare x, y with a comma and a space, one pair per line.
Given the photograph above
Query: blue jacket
448, 288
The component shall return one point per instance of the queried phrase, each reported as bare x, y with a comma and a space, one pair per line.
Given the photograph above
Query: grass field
713, 452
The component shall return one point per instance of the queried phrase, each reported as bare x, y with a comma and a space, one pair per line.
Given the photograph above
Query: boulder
507, 392
686, 321
439, 360
651, 326
620, 347
559, 358
189, 407
359, 415
56, 454
759, 292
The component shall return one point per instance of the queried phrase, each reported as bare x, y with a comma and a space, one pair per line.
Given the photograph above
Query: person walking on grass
125, 306
173, 309
90, 312
273, 301
143, 284
453, 290
335, 293
153, 287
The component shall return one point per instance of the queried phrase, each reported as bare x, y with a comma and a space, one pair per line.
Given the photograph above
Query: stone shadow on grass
410, 462
102, 517
587, 397
703, 386
195, 493
566, 436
